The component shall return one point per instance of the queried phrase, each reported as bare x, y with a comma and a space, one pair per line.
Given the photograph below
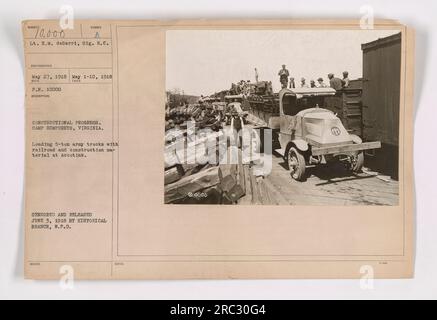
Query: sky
207, 61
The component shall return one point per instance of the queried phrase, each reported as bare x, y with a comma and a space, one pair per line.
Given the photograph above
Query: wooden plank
256, 198
170, 158
228, 176
230, 183
191, 184
226, 170
226, 199
247, 199
190, 169
240, 172
279, 199
346, 148
239, 189
265, 196
173, 174
236, 193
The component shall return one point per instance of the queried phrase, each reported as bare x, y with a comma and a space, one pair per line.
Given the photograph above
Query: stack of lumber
193, 176
194, 188
212, 184
240, 183
182, 157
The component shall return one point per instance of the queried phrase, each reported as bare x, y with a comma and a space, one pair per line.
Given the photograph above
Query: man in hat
335, 82
303, 83
242, 85
283, 76
321, 84
345, 81
312, 84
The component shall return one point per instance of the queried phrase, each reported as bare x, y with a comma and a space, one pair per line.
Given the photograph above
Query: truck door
287, 110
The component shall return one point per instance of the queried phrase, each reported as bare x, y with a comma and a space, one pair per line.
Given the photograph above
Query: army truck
306, 134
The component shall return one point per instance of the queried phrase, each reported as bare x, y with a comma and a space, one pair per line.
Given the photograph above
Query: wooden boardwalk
331, 185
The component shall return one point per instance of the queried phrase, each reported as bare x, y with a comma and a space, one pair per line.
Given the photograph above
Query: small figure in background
269, 88
303, 83
345, 81
292, 83
241, 86
321, 83
312, 84
283, 76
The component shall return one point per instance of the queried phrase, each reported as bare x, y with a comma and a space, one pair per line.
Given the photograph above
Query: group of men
334, 82
242, 87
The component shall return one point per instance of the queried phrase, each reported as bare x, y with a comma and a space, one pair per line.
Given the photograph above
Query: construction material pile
205, 115
194, 175
221, 184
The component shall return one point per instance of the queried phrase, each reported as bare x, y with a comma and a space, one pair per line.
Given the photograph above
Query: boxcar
381, 100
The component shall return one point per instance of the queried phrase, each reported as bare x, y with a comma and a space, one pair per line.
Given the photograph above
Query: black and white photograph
226, 158
282, 117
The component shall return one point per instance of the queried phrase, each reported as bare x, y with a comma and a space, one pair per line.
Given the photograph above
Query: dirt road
333, 185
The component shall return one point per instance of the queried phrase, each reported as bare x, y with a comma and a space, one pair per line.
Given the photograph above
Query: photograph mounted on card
223, 149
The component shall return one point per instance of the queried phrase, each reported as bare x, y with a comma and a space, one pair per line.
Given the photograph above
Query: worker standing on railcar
345, 81
321, 83
335, 82
283, 76
303, 83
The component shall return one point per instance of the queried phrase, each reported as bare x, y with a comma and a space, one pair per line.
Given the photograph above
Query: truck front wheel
296, 164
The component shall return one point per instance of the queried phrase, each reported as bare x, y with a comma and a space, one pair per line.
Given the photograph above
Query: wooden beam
173, 174
189, 185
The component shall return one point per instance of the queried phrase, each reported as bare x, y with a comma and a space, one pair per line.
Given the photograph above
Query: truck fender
356, 139
302, 145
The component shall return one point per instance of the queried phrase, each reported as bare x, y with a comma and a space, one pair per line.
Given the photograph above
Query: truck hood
322, 127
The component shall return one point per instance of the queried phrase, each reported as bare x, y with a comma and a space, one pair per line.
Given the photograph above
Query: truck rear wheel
357, 162
296, 164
